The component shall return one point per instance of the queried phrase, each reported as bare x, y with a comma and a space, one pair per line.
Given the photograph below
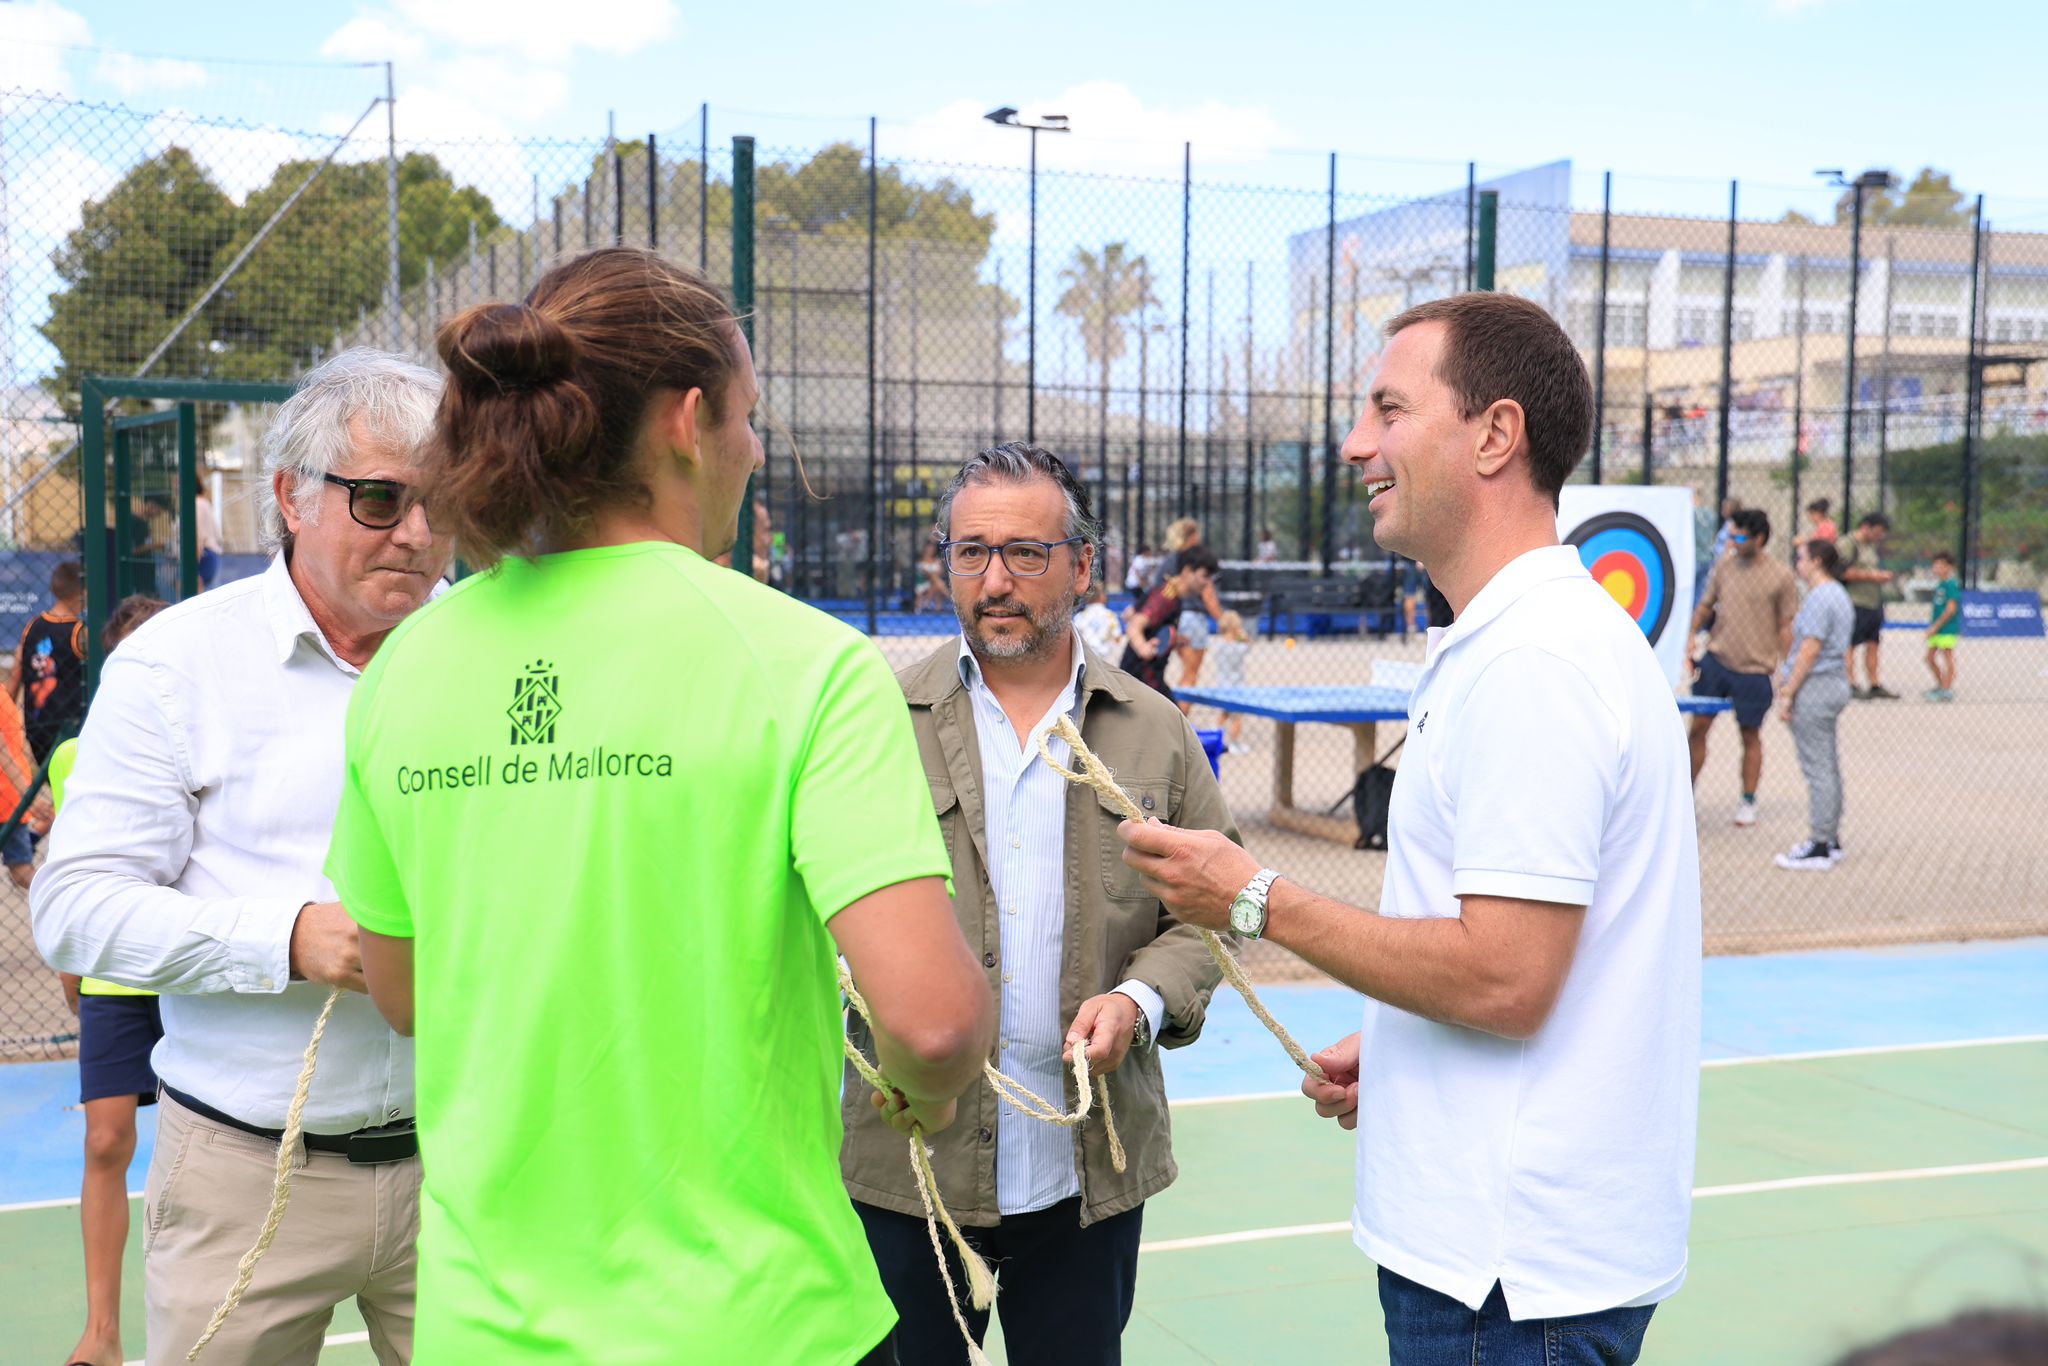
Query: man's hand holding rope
1196, 874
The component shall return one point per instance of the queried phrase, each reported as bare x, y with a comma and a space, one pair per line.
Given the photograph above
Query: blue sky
1676, 96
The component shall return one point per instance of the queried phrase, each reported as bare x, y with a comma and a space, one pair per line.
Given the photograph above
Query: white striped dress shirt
1026, 827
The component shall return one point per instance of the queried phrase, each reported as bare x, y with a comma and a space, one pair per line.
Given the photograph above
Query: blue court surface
1883, 1163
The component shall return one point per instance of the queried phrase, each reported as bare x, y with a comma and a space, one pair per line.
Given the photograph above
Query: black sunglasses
379, 504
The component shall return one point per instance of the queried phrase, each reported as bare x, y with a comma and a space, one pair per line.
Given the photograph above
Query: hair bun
504, 346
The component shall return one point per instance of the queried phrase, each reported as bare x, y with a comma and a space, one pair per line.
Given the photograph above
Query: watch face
1246, 916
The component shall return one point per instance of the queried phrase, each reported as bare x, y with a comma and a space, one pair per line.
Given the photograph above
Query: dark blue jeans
1066, 1291
1425, 1328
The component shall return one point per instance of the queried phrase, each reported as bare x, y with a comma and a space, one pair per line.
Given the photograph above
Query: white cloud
132, 75
1795, 6
28, 59
1114, 132
539, 30
374, 38
500, 87
47, 192
238, 159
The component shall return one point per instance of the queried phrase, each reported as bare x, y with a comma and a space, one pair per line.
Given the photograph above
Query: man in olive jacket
1077, 953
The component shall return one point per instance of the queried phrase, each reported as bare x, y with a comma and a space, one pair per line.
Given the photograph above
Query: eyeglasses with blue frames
378, 504
1023, 559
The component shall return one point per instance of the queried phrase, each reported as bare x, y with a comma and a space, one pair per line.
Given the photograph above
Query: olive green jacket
1115, 931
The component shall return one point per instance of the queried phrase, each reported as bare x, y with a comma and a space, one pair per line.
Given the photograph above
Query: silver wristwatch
1248, 907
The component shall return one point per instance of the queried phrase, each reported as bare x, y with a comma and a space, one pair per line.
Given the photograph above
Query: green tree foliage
1930, 201
146, 252
1102, 291
2012, 473
829, 194
328, 260
137, 261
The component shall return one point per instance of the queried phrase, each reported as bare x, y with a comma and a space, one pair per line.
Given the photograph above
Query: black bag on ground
1371, 796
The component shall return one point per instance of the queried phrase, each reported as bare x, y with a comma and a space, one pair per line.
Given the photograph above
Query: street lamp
1007, 117
1869, 180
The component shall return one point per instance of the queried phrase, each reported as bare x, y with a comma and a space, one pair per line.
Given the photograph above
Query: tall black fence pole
1727, 353
703, 188
1471, 219
1250, 480
873, 538
1884, 384
1798, 410
653, 194
1489, 236
1973, 378
1187, 210
1849, 355
1600, 326
1330, 377
1031, 307
618, 197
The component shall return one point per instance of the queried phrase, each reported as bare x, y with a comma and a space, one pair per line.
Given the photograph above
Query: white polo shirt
1545, 760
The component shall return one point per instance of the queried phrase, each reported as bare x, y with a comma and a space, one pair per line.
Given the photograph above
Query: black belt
364, 1147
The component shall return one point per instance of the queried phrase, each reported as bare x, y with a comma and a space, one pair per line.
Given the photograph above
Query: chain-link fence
1196, 349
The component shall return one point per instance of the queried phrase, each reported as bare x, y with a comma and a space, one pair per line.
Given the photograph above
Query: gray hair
394, 398
1014, 462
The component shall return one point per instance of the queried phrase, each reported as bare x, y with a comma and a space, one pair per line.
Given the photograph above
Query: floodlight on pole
1006, 116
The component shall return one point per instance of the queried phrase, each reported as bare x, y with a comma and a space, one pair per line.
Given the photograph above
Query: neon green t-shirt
614, 796
63, 759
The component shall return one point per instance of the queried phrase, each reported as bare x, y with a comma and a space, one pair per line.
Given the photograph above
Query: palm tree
1101, 292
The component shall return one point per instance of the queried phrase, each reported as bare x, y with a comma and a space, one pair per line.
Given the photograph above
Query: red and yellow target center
1623, 578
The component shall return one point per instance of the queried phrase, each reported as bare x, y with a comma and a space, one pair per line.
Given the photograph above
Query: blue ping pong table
1357, 708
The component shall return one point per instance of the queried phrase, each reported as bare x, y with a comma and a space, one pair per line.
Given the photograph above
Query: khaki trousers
349, 1230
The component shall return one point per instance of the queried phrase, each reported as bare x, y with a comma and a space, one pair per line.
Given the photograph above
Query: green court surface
1839, 1197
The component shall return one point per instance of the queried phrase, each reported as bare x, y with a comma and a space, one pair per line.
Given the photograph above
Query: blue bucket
1213, 745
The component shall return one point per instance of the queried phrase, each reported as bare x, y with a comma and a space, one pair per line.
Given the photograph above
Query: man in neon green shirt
606, 812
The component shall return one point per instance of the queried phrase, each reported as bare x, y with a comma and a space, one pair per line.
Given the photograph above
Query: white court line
1865, 1051
1248, 1096
337, 1340
2017, 1164
1876, 1048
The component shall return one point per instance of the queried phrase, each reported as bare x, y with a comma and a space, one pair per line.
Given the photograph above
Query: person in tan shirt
1751, 600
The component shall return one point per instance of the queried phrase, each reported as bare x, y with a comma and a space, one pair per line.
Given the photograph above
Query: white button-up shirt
1025, 805
1544, 762
194, 828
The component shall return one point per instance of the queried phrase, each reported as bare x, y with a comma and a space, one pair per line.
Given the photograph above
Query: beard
1043, 628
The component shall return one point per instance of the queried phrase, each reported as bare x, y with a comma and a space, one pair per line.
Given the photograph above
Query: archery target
1636, 543
1627, 557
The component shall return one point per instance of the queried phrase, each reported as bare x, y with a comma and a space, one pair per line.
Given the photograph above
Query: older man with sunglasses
1078, 953
188, 860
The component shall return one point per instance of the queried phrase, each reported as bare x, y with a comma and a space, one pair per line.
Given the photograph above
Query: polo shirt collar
1515, 578
291, 621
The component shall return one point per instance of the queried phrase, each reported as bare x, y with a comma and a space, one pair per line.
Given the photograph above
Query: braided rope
289, 1147
1096, 774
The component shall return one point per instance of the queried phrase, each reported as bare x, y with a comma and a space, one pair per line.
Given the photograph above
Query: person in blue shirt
1944, 626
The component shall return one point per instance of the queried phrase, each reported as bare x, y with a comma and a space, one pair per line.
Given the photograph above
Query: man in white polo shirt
1526, 1085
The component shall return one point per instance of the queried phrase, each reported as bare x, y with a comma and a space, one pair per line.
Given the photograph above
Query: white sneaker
1745, 814
1813, 856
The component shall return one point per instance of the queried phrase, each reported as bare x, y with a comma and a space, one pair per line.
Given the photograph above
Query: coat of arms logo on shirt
536, 704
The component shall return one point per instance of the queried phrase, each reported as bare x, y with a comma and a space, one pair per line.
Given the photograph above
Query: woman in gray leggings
1815, 690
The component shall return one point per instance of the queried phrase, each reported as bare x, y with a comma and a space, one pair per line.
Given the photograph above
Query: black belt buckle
392, 1143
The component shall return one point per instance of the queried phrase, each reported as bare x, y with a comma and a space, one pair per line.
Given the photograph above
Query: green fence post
743, 304
1489, 224
188, 500
124, 515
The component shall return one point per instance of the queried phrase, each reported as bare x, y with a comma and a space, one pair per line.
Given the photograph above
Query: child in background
1231, 651
117, 1028
1099, 625
1944, 625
